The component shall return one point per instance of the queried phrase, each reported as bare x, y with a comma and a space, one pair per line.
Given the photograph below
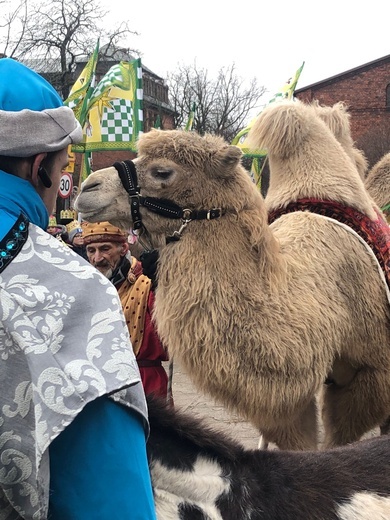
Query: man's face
105, 256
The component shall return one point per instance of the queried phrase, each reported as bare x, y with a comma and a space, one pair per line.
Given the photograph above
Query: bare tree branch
57, 33
222, 104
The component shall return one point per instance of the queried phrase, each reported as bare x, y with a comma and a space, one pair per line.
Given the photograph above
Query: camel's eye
162, 173
91, 187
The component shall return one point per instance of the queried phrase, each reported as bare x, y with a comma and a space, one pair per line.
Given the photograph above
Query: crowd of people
78, 346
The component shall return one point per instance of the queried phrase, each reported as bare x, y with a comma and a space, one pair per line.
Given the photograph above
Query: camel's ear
337, 119
225, 161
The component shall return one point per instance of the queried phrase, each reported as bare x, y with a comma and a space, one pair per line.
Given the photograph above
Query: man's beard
116, 273
108, 272
106, 269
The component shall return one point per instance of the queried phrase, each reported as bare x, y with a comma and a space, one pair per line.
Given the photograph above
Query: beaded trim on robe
13, 241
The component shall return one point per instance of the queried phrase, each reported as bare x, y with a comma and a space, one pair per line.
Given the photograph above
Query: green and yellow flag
114, 114
191, 117
82, 89
288, 89
240, 139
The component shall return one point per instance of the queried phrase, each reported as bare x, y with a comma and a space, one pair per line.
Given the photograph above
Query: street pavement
187, 398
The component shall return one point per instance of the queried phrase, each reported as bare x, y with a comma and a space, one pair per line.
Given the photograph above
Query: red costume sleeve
154, 378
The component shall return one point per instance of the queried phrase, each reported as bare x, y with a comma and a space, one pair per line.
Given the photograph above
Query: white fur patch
365, 506
200, 487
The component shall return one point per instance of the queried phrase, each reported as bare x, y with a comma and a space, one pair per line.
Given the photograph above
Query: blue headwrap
23, 88
33, 118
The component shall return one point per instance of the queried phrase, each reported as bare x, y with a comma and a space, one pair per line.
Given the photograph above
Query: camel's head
103, 198
192, 171
305, 157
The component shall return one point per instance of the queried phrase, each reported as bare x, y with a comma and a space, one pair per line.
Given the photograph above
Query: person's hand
149, 261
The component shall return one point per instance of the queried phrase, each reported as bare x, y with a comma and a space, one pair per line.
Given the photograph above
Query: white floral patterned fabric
63, 343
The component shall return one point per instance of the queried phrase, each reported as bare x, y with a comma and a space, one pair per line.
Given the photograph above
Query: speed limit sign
66, 185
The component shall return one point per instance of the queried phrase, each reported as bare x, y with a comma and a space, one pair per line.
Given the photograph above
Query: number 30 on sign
66, 185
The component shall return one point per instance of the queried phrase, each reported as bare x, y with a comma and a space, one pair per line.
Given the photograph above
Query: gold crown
67, 213
75, 224
52, 221
102, 232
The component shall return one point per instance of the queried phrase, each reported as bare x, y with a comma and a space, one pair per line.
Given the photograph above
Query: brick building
366, 91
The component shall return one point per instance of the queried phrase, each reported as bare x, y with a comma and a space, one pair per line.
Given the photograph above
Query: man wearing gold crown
107, 249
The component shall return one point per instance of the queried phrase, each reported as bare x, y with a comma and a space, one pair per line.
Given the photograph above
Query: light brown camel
338, 119
261, 315
378, 183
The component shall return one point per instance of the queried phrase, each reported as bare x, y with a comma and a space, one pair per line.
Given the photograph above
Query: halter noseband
166, 208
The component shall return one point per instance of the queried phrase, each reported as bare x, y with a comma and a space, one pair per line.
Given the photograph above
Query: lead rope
170, 382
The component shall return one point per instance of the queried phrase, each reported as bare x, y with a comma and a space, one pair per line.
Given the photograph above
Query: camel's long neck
338, 182
222, 247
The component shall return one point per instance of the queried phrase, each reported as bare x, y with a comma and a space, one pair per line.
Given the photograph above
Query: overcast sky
266, 40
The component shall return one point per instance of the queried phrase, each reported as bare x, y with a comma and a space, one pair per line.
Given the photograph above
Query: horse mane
183, 429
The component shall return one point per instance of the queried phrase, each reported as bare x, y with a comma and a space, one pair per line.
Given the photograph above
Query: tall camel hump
338, 119
305, 157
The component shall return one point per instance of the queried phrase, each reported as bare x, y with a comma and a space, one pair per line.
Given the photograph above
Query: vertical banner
114, 116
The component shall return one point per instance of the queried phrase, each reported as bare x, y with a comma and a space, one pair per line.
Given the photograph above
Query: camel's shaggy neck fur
260, 316
378, 181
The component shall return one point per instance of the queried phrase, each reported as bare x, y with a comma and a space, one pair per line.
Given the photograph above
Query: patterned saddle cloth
375, 233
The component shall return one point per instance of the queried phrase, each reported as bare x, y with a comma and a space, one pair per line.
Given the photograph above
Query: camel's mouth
88, 208
86, 215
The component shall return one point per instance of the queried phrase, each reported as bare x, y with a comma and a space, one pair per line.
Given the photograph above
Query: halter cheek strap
128, 176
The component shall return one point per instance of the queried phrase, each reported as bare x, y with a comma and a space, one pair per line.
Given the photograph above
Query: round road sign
66, 185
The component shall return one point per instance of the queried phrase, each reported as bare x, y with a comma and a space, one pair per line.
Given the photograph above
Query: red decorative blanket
376, 233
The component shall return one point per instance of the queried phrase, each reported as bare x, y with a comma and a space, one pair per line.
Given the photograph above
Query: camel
199, 472
338, 118
378, 183
261, 315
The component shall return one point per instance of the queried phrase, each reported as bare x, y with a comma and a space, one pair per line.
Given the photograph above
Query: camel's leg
301, 433
263, 443
352, 410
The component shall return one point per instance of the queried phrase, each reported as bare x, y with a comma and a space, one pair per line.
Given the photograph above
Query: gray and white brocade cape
63, 343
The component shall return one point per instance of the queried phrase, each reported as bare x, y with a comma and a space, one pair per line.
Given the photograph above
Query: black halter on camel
166, 208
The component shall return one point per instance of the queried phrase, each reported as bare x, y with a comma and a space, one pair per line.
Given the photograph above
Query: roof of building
342, 75
111, 53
